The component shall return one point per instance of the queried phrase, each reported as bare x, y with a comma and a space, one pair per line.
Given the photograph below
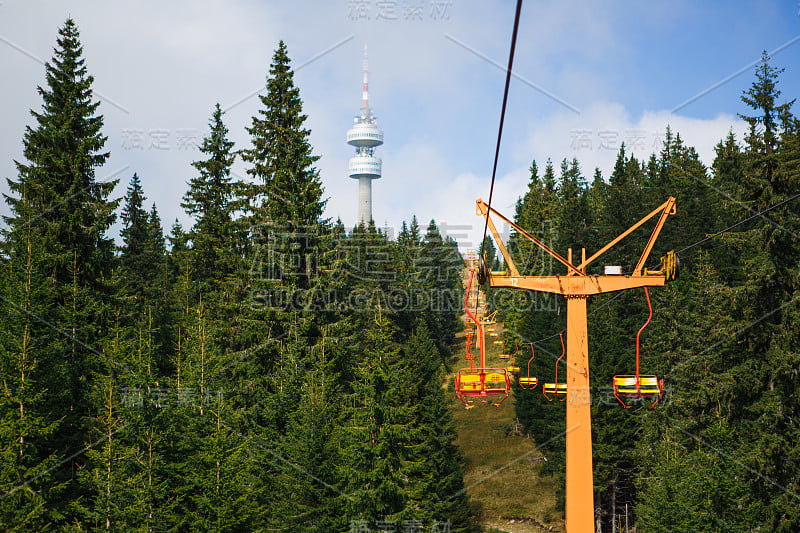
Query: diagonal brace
667, 208
485, 210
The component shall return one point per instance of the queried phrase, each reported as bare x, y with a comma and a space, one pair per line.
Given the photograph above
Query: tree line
264, 369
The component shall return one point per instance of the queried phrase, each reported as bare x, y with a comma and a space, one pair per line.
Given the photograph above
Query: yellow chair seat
648, 385
469, 382
555, 388
495, 381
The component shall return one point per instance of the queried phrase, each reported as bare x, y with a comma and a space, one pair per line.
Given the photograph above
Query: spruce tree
293, 273
440, 266
681, 482
437, 485
314, 503
141, 276
624, 204
374, 465
575, 228
530, 316
728, 171
281, 159
769, 258
679, 172
67, 212
534, 212
730, 349
135, 260
286, 201
405, 256
210, 199
25, 478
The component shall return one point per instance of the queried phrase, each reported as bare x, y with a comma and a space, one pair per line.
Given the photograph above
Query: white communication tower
365, 166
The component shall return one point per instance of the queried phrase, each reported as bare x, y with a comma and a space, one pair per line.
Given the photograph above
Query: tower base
364, 199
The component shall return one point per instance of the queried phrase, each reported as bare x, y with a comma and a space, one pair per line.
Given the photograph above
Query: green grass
501, 471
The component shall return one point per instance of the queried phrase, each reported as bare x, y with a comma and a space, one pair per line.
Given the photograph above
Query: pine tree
293, 282
440, 266
371, 441
575, 222
25, 479
135, 260
769, 252
210, 199
68, 213
314, 503
281, 156
437, 489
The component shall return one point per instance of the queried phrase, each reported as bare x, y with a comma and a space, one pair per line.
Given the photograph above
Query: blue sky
590, 76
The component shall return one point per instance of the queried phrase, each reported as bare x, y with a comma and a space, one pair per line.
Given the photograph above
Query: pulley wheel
483, 271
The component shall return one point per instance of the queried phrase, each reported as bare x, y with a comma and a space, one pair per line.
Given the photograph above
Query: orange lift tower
576, 286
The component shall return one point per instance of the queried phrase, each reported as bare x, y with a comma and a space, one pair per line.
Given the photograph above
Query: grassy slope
501, 471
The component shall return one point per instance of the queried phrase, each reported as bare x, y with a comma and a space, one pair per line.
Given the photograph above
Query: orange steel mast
576, 286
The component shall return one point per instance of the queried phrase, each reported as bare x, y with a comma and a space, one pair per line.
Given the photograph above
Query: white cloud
595, 135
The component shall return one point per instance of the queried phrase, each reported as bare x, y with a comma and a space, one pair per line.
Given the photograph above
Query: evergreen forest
267, 369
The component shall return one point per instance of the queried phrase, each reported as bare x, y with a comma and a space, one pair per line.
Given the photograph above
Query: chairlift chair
529, 382
637, 386
556, 389
512, 366
468, 355
480, 381
503, 355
